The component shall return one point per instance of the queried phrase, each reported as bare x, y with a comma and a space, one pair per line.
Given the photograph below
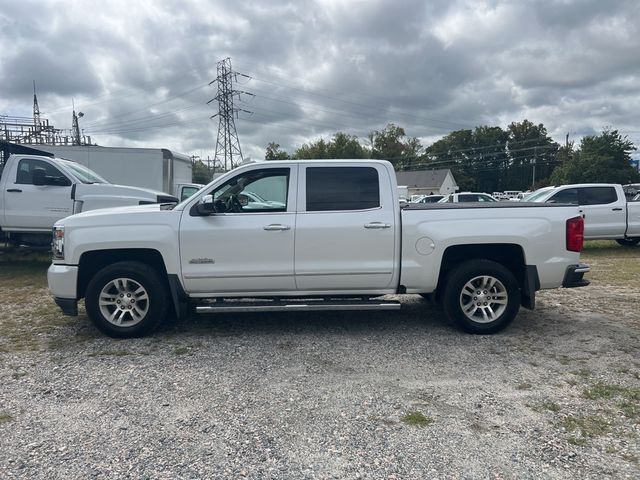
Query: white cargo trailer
153, 168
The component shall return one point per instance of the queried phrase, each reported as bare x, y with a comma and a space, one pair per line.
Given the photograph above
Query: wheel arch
510, 255
92, 262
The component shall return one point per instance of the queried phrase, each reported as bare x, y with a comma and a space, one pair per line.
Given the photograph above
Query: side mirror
206, 206
39, 176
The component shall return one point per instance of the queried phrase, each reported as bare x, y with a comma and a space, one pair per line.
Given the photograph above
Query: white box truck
35, 191
154, 168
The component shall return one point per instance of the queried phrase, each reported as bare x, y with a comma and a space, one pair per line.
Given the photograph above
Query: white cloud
321, 66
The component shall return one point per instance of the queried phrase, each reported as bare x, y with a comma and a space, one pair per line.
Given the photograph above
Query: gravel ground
401, 395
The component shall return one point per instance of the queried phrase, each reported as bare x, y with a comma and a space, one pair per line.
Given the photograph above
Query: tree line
523, 156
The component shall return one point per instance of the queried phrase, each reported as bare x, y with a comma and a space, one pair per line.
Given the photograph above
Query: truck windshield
82, 173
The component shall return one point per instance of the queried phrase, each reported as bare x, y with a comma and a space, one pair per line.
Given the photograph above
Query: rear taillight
575, 234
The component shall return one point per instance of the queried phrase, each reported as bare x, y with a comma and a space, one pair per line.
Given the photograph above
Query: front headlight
57, 245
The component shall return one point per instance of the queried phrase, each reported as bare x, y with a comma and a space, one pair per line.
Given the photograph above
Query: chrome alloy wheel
124, 302
483, 299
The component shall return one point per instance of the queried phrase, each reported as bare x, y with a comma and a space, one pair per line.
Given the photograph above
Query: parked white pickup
607, 214
35, 191
327, 235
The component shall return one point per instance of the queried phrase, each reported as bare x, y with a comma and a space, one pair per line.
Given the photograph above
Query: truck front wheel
126, 299
481, 296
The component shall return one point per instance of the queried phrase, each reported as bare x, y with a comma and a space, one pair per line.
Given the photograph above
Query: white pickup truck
311, 235
607, 214
35, 191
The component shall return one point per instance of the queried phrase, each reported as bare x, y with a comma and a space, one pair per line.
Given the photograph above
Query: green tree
600, 158
492, 159
199, 172
341, 145
529, 145
392, 144
453, 151
317, 149
488, 160
345, 146
273, 152
477, 158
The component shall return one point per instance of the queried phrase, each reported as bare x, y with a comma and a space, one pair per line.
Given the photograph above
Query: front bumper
63, 285
573, 277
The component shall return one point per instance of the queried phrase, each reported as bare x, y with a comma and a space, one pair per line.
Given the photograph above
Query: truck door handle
617, 209
377, 225
276, 227
14, 190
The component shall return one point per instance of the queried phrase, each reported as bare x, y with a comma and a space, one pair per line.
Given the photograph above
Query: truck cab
607, 214
36, 191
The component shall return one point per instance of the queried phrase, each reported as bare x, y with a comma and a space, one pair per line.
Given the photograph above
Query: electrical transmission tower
75, 126
228, 151
36, 111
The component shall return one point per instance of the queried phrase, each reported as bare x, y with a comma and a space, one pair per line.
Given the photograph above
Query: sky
140, 71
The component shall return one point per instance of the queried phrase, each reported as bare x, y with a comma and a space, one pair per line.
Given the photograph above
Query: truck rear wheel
628, 242
126, 299
481, 296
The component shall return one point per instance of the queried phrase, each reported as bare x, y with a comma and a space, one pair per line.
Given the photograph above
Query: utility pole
227, 141
535, 158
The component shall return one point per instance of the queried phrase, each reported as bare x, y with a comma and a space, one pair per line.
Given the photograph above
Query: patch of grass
630, 409
588, 426
601, 390
20, 268
5, 417
416, 419
612, 263
30, 318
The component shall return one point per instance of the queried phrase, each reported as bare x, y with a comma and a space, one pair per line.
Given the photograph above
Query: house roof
422, 178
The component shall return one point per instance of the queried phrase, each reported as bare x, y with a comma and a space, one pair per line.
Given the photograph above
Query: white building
428, 182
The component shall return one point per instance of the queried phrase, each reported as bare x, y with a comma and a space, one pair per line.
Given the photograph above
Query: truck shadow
415, 315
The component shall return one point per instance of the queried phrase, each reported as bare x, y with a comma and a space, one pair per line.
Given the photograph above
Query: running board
293, 306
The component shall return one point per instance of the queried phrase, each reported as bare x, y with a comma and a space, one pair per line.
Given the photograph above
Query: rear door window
342, 188
597, 195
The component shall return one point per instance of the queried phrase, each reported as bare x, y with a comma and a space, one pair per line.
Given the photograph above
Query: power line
166, 100
315, 93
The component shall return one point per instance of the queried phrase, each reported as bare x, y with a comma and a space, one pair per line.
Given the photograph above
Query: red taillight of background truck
575, 234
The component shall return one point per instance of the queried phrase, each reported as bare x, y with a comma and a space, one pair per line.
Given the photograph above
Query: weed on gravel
416, 419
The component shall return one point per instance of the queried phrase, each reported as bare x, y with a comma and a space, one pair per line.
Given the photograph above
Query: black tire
132, 293
628, 242
493, 308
